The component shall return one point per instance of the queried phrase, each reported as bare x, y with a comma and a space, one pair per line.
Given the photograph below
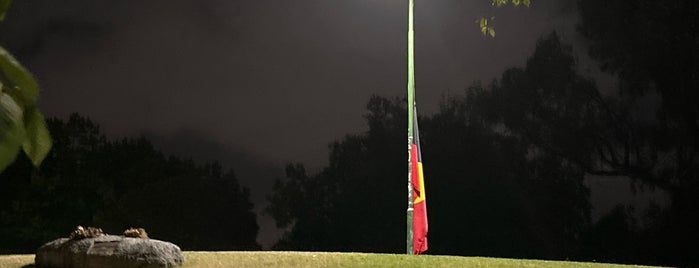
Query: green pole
411, 110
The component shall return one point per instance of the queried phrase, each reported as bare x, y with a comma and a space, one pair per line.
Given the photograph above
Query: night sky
256, 84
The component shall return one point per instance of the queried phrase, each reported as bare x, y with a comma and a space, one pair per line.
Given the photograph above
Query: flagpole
411, 110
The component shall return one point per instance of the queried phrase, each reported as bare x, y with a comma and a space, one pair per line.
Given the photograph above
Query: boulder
109, 251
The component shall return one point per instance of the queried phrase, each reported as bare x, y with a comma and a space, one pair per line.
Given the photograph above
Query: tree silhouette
511, 150
498, 186
89, 180
353, 204
651, 47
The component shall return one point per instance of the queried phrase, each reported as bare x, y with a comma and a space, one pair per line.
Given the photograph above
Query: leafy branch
485, 25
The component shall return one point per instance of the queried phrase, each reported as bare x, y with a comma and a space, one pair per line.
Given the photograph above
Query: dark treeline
91, 181
505, 166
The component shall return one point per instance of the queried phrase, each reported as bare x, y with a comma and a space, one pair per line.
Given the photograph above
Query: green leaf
485, 28
18, 82
526, 3
499, 3
37, 142
21, 124
11, 113
516, 2
8, 152
11, 130
4, 6
482, 25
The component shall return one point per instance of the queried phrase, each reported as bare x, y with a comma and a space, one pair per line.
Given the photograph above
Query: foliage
333, 210
492, 179
500, 3
22, 126
505, 166
497, 154
486, 26
651, 46
89, 180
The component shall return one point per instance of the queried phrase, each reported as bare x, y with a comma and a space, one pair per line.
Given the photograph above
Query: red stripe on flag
419, 207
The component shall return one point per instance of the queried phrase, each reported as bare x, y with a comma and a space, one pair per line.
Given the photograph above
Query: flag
418, 184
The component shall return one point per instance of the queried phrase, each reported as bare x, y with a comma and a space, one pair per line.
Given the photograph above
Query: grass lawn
332, 259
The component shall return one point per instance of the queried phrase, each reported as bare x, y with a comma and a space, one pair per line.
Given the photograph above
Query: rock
109, 251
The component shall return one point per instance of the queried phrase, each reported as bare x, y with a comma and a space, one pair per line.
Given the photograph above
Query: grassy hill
332, 259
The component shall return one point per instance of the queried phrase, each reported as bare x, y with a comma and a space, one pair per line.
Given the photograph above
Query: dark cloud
259, 74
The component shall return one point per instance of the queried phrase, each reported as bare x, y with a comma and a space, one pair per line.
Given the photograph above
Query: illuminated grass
332, 259
13, 261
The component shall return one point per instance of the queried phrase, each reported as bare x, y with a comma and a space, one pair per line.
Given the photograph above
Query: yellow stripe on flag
421, 180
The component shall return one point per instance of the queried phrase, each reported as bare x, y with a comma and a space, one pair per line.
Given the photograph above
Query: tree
91, 181
497, 186
353, 204
22, 125
43, 204
505, 155
651, 46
